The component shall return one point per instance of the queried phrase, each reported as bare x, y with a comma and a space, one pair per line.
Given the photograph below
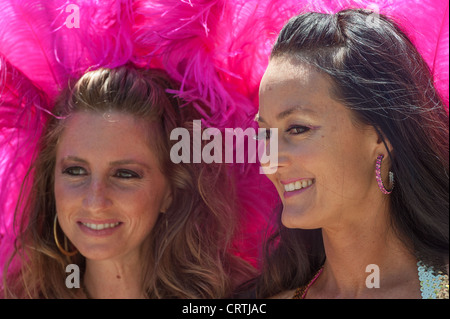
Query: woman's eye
297, 129
75, 171
125, 173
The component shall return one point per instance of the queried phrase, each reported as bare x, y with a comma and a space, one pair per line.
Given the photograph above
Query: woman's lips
99, 228
294, 187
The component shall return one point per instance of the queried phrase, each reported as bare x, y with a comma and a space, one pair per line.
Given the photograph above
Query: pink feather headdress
217, 49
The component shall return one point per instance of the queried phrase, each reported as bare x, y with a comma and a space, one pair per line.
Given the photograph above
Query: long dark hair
378, 73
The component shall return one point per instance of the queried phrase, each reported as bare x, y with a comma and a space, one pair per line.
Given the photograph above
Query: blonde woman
107, 198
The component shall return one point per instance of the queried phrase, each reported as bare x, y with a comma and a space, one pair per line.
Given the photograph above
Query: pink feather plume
217, 49
22, 106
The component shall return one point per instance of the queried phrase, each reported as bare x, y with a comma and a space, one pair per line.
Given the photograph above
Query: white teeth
100, 226
297, 185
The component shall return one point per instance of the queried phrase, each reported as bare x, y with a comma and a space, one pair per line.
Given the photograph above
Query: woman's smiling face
109, 189
325, 160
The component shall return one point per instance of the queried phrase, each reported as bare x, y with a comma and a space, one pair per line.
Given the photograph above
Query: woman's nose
97, 195
279, 157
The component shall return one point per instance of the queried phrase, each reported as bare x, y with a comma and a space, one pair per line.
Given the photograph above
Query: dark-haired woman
363, 158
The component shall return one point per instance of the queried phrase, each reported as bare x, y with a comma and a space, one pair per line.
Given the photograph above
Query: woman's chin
97, 253
294, 217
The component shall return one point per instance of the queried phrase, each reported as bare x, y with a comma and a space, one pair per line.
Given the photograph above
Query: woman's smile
321, 152
296, 187
99, 228
109, 192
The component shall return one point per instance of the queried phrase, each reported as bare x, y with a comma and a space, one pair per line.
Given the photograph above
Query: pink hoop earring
380, 180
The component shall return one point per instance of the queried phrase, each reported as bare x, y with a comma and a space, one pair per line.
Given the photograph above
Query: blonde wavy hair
191, 253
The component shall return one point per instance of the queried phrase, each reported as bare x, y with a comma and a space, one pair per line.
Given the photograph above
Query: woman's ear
383, 146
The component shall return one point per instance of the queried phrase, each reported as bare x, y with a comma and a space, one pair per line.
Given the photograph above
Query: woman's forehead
98, 131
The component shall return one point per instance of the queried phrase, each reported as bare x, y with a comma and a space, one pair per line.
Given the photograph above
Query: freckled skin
101, 192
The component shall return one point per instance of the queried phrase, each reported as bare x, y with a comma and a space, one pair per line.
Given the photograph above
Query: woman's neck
365, 259
113, 280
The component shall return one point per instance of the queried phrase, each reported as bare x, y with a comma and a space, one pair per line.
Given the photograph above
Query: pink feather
21, 122
102, 39
425, 22
217, 49
38, 54
215, 65
26, 41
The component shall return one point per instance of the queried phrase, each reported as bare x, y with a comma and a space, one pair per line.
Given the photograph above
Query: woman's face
326, 162
109, 189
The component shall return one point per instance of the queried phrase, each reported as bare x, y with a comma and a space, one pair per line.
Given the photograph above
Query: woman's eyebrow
127, 162
74, 159
282, 115
295, 109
